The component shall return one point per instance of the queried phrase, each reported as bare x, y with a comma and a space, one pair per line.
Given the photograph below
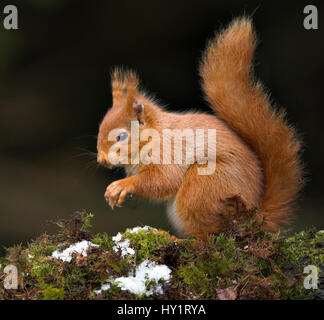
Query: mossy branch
242, 263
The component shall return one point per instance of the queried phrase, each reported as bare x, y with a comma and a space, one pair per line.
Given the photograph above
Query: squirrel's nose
101, 158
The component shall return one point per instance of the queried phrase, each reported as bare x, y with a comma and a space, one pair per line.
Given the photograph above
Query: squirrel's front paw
117, 191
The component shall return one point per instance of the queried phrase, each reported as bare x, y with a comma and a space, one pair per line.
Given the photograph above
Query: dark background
54, 90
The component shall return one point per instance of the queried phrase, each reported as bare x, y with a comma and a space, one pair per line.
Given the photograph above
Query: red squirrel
257, 152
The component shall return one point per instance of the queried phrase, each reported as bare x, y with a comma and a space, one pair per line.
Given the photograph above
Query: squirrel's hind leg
204, 203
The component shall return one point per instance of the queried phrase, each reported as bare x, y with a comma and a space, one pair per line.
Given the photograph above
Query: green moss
104, 241
42, 247
210, 265
146, 242
86, 222
51, 293
306, 245
113, 292
43, 269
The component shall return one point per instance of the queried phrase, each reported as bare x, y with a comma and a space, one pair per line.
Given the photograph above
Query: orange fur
257, 152
227, 79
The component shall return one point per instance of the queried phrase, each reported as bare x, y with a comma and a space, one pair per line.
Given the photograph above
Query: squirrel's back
231, 90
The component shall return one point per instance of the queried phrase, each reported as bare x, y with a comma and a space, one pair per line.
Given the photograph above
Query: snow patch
117, 237
137, 229
79, 247
104, 287
146, 271
122, 246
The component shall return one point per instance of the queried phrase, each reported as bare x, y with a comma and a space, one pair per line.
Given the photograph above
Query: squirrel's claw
115, 193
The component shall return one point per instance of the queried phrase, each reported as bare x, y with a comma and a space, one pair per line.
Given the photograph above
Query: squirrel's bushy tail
229, 85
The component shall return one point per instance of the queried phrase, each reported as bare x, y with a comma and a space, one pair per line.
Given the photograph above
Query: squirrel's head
130, 109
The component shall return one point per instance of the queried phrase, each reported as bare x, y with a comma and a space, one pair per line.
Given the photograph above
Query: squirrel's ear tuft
124, 84
139, 112
117, 84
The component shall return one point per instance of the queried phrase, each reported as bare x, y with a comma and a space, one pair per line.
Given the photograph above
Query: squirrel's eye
122, 136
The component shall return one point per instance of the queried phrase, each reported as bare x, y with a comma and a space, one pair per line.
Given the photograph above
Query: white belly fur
173, 216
